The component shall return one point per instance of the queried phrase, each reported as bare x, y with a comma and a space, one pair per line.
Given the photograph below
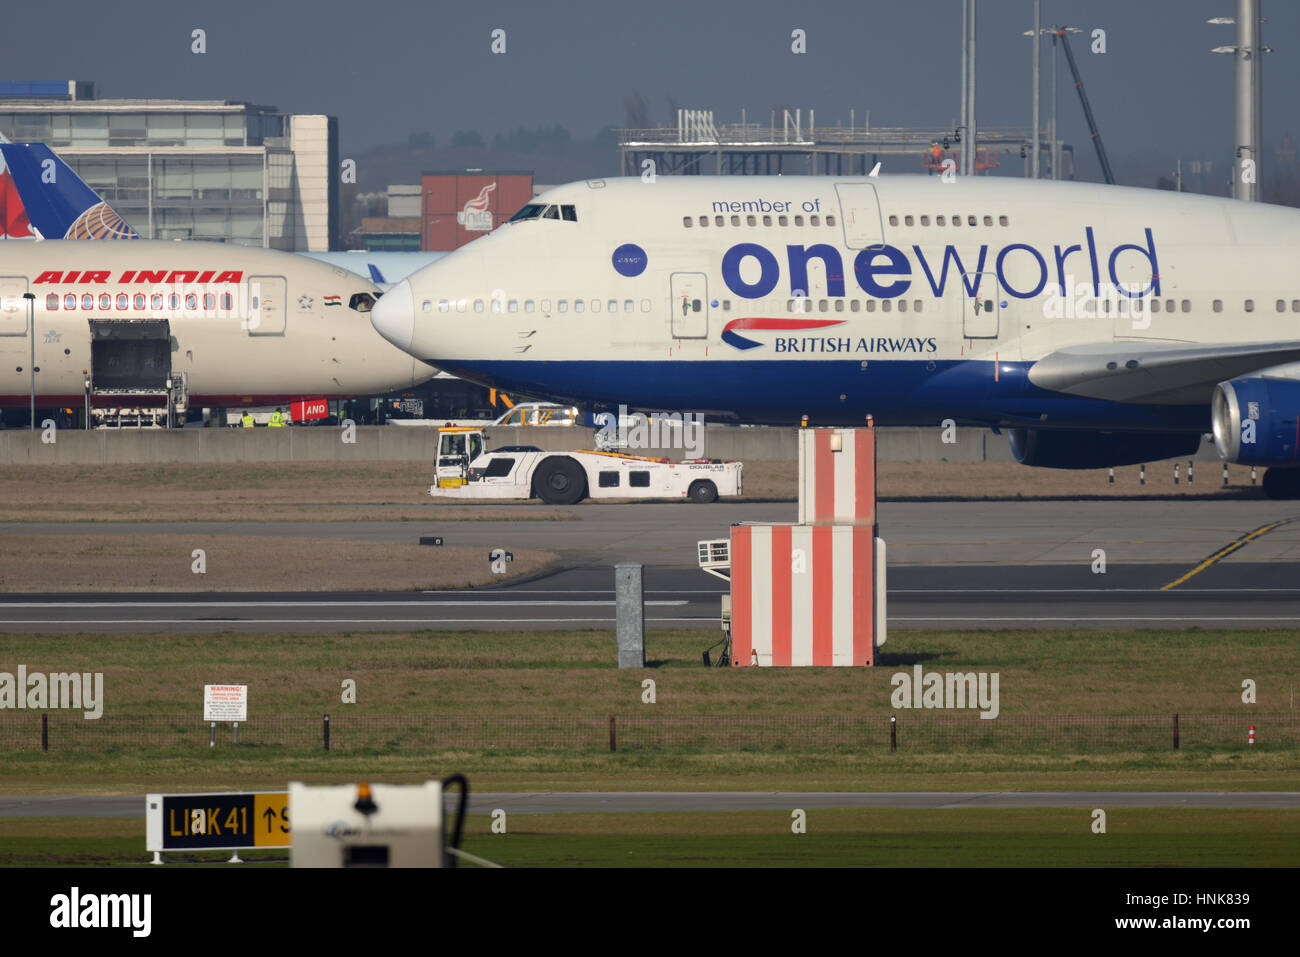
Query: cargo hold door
266, 305
690, 305
130, 355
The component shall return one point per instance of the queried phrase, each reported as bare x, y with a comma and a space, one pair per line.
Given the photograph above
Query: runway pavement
989, 565
591, 802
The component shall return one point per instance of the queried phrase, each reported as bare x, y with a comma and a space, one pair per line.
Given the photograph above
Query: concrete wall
417, 444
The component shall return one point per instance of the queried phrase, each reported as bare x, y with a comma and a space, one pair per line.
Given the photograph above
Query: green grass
545, 675
986, 837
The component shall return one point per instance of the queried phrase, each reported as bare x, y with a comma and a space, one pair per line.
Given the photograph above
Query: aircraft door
266, 305
981, 312
860, 214
690, 304
13, 307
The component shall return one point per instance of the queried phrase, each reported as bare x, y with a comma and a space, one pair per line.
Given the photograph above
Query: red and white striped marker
1251, 739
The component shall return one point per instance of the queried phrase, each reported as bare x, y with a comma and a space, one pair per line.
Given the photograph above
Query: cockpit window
570, 213
362, 301
552, 212
531, 211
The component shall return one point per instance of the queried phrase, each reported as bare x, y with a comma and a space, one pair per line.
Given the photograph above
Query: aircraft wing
1158, 373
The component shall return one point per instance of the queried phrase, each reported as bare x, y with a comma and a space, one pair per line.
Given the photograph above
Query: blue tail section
55, 203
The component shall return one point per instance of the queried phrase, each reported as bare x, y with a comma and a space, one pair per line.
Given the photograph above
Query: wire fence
905, 732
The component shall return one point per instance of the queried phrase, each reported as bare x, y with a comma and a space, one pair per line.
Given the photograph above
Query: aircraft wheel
1282, 483
702, 492
560, 481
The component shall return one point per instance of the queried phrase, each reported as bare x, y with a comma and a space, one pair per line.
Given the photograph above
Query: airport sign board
226, 821
225, 702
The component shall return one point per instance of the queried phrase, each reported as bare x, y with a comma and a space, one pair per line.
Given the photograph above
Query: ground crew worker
246, 420
277, 419
936, 157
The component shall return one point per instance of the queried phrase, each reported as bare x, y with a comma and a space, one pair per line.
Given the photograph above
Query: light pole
1248, 53
31, 365
1037, 34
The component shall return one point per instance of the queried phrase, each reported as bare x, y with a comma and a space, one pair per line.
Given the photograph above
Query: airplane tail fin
42, 198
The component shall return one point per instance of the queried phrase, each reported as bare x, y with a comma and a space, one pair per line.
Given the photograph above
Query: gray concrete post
629, 602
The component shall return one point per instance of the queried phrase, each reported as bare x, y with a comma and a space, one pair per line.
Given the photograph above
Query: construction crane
1087, 110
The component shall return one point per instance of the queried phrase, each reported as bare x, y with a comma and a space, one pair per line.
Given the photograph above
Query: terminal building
213, 170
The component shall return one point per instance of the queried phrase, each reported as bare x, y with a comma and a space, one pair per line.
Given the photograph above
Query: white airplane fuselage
245, 326
1000, 302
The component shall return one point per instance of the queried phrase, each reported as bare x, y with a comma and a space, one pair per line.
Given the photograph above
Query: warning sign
225, 702
217, 822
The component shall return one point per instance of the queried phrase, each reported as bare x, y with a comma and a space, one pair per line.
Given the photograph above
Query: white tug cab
466, 470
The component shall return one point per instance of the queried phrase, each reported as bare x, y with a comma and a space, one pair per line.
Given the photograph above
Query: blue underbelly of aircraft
829, 392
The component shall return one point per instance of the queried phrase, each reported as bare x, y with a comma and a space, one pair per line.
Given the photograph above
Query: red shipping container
458, 207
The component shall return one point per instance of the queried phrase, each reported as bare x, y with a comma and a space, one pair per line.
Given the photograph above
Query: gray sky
387, 69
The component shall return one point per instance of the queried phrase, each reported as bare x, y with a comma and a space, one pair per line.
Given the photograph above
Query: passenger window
886, 305
513, 305
718, 221
726, 305
853, 305
830, 220
988, 220
893, 220
123, 301
916, 305
192, 302
1169, 305
70, 301
498, 306
443, 305
552, 212
87, 301
608, 480
751, 220
814, 221
1003, 221
562, 306
735, 220
1281, 305
638, 479
686, 221
227, 301
579, 305
209, 301
839, 305
798, 220
461, 304
528, 305
570, 213
823, 306
970, 221
629, 305
1187, 305
105, 301
704, 220
767, 220
902, 305
595, 305
956, 220
871, 305
1155, 305
427, 306
478, 305
498, 468
174, 302
783, 220
907, 221
137, 301
611, 306
1295, 305
52, 302
1217, 305
1250, 305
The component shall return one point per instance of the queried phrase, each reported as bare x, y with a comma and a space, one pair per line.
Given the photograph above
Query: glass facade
229, 174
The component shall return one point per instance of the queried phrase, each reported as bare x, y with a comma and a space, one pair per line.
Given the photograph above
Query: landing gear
1282, 483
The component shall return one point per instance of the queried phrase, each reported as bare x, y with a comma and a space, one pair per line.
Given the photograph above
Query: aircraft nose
394, 315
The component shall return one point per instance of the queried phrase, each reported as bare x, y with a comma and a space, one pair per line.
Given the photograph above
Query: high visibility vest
247, 421
277, 420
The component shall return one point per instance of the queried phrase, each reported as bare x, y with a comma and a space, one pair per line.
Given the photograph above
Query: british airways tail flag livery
1099, 325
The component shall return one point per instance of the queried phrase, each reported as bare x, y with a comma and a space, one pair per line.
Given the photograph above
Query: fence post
893, 734
613, 744
45, 731
1175, 730
327, 732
